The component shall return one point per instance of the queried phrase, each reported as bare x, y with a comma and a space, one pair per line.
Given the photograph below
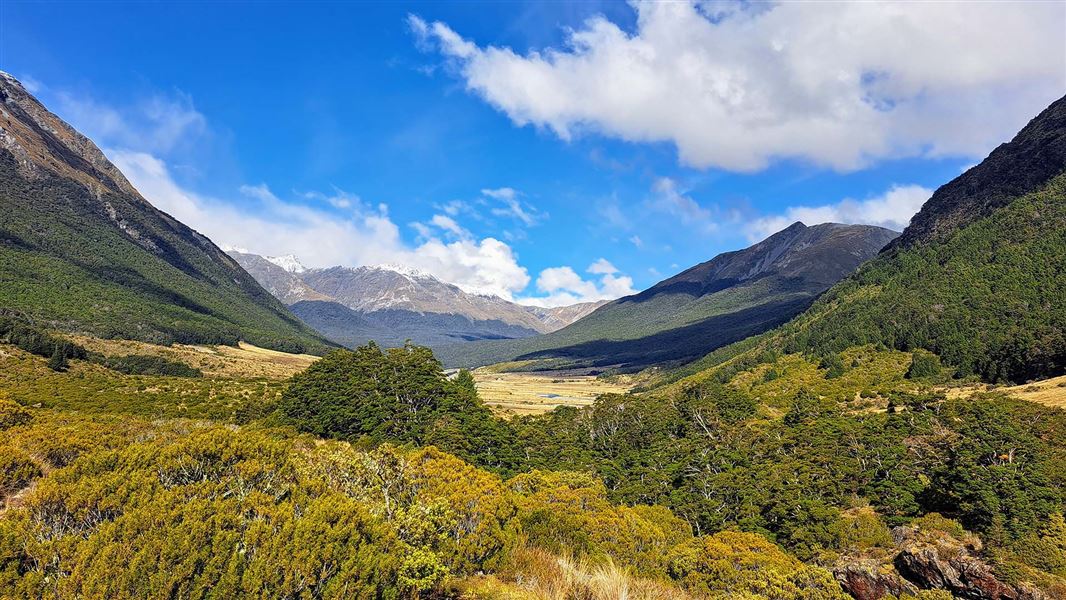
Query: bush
923, 364
17, 470
12, 414
139, 364
732, 564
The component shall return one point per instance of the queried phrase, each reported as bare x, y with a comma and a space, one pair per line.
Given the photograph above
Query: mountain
728, 298
82, 250
377, 288
561, 316
281, 281
977, 278
1026, 164
393, 303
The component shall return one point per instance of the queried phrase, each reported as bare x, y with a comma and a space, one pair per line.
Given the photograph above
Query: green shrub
17, 470
140, 364
923, 364
12, 414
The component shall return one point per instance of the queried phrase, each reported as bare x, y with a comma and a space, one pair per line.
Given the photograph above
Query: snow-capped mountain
288, 262
391, 303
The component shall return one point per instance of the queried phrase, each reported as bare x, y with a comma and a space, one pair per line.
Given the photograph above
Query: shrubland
372, 474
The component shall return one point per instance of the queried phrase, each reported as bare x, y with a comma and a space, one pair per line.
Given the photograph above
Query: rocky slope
82, 250
1023, 165
728, 298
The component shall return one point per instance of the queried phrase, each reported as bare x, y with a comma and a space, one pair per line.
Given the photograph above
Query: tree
58, 361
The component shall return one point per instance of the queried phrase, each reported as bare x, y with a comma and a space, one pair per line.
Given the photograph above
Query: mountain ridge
393, 303
731, 296
82, 250
977, 277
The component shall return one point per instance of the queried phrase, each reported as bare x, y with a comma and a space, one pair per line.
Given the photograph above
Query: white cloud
602, 267
563, 286
668, 199
365, 236
449, 225
512, 206
157, 124
639, 243
837, 84
893, 210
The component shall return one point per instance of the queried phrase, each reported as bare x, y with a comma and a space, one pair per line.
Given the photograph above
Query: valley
837, 411
521, 393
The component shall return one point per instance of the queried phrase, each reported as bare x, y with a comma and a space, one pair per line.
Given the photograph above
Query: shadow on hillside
678, 345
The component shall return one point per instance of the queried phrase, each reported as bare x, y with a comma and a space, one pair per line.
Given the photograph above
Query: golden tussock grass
539, 575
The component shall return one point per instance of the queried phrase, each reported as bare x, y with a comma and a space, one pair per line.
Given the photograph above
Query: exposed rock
871, 580
947, 564
929, 560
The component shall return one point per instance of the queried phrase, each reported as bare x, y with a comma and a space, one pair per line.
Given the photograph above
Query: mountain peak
1022, 165
405, 270
289, 262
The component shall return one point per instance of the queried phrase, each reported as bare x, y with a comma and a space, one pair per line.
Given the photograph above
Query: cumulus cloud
366, 235
563, 286
737, 86
892, 209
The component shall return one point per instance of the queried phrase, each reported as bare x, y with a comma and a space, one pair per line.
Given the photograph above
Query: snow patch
405, 270
289, 262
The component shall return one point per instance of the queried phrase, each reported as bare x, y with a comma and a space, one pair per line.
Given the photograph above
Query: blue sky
547, 152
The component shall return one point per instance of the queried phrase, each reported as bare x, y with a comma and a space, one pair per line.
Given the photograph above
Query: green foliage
141, 364
923, 364
65, 261
741, 565
989, 462
17, 470
17, 331
12, 414
58, 360
89, 388
833, 365
398, 395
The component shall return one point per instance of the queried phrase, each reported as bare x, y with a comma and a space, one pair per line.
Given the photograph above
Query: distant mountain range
82, 250
393, 303
728, 298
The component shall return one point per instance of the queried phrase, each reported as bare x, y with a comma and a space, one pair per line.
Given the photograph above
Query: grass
533, 393
539, 575
244, 361
91, 388
1049, 392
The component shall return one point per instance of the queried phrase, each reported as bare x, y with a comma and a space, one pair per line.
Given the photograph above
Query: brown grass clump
538, 575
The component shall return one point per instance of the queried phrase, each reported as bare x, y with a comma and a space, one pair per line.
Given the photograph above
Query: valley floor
512, 394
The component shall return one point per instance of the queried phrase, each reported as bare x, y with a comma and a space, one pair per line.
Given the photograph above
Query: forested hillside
81, 250
982, 289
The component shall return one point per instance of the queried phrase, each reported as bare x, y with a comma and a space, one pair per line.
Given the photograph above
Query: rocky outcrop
871, 580
929, 560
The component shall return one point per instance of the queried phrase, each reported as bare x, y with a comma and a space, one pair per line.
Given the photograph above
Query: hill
82, 250
728, 298
977, 278
390, 304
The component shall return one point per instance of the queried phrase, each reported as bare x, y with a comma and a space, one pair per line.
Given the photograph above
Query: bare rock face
928, 560
870, 580
945, 563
